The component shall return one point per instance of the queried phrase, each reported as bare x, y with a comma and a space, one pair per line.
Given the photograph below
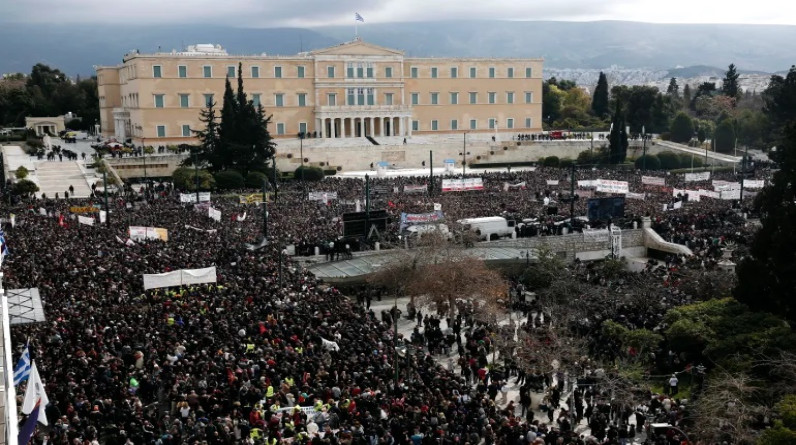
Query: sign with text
254, 198
322, 196
702, 176
86, 209
461, 185
653, 180
408, 219
754, 184
630, 195
611, 186
191, 197
144, 233
552, 182
415, 188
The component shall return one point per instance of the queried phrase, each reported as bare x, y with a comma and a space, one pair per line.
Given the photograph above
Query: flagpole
12, 417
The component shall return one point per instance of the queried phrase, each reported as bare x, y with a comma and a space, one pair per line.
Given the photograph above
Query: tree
21, 172
185, 179
686, 96
25, 187
725, 136
780, 104
209, 150
639, 108
673, 89
599, 102
682, 128
552, 97
309, 173
255, 179
729, 86
229, 180
618, 142
651, 163
662, 111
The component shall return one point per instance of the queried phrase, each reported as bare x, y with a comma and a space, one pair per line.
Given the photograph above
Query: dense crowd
270, 355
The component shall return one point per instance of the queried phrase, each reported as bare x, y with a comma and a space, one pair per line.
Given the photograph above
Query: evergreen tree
209, 151
724, 136
682, 128
686, 96
673, 89
730, 87
780, 103
618, 137
227, 131
599, 102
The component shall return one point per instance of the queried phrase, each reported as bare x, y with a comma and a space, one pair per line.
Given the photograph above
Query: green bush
255, 179
666, 136
25, 187
588, 157
550, 161
330, 172
184, 179
309, 173
566, 163
682, 128
686, 160
652, 162
21, 172
229, 179
668, 160
725, 137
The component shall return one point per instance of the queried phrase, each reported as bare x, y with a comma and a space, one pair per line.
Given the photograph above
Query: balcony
369, 110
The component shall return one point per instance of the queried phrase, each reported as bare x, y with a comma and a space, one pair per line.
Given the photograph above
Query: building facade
355, 89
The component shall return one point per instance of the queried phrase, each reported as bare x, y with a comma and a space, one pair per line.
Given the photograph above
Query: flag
3, 245
35, 393
358, 17
61, 221
22, 371
26, 433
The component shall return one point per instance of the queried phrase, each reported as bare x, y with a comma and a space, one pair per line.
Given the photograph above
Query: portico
355, 122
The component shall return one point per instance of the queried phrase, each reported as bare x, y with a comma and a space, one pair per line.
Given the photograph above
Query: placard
415, 188
552, 182
460, 185
702, 176
321, 196
144, 233
754, 183
610, 186
653, 180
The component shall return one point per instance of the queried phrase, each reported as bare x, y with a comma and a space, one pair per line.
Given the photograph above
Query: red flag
390, 203
61, 221
262, 328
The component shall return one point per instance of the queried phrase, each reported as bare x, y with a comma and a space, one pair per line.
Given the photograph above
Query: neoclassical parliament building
352, 90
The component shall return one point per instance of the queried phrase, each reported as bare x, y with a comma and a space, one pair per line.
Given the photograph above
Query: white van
489, 227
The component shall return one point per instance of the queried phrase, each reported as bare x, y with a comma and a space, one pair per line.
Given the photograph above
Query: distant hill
563, 45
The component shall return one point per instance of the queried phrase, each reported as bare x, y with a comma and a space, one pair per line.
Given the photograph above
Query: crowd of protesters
270, 355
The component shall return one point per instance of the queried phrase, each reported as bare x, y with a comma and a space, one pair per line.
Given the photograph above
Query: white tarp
653, 180
180, 277
691, 177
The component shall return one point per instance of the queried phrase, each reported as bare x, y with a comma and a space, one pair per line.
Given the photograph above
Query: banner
144, 233
202, 207
693, 195
187, 226
86, 209
630, 195
415, 188
653, 180
552, 182
731, 194
727, 186
42, 211
691, 177
754, 183
587, 183
595, 235
709, 194
254, 198
610, 186
408, 219
214, 214
460, 185
103, 216
85, 220
191, 197
322, 196
181, 277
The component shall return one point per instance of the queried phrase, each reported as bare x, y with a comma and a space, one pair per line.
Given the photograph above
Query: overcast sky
307, 13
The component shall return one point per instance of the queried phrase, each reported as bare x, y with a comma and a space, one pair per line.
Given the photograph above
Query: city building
355, 89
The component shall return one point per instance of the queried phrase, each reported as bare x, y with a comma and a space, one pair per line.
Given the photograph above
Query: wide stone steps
56, 177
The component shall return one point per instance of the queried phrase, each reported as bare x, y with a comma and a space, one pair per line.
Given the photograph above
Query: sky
310, 13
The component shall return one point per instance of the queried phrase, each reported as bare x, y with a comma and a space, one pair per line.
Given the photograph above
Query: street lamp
644, 147
464, 153
301, 153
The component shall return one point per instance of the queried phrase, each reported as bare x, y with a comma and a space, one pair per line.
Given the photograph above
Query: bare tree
726, 409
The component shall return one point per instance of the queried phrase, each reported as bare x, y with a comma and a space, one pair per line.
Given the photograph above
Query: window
510, 123
184, 101
300, 72
454, 72
207, 71
371, 99
330, 72
529, 97
161, 131
415, 98
388, 98
434, 98
454, 98
186, 131
255, 72
454, 124
414, 72
528, 122
510, 73
529, 72
277, 72
256, 99
369, 72
434, 72
360, 71
182, 71
473, 98
303, 127
208, 99
491, 123
360, 96
473, 124
492, 97
415, 125
302, 99
510, 97
434, 125
349, 72
491, 72
158, 101
280, 128
157, 71
331, 98
279, 100
351, 96
388, 72
231, 72
472, 72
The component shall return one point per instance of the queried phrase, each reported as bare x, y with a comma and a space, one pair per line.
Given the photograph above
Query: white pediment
357, 48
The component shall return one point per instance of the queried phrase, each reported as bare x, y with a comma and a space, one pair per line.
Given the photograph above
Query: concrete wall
156, 165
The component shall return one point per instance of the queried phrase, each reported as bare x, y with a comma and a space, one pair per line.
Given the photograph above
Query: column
381, 127
322, 123
401, 126
408, 125
334, 127
372, 131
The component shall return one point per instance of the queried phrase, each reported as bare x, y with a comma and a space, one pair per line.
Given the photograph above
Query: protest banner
84, 209
191, 197
214, 214
731, 194
653, 180
611, 186
754, 183
587, 183
182, 277
321, 196
461, 185
630, 195
709, 194
144, 233
552, 182
85, 220
692, 177
408, 219
415, 188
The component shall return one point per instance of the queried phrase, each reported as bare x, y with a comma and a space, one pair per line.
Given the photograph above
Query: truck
490, 227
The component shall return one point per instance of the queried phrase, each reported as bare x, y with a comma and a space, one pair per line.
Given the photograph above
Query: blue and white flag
35, 395
3, 245
22, 370
358, 17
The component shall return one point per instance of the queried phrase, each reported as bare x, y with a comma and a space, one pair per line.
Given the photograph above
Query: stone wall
156, 165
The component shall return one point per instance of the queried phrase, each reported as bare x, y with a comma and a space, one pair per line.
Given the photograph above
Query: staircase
372, 141
56, 177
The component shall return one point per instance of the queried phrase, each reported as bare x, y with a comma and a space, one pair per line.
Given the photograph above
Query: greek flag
22, 370
358, 17
3, 245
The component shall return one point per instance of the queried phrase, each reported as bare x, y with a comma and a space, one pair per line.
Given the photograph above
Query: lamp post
464, 153
195, 173
105, 184
644, 148
301, 153
265, 212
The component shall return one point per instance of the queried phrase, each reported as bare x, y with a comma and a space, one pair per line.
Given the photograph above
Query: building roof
357, 47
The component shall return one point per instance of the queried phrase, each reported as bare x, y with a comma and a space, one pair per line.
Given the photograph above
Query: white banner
42, 211
631, 195
731, 194
702, 176
595, 235
191, 197
507, 186
727, 186
214, 214
103, 216
653, 180
754, 183
610, 186
676, 192
552, 182
321, 196
678, 204
181, 277
587, 183
144, 233
693, 195
415, 188
199, 229
85, 220
709, 194
460, 185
